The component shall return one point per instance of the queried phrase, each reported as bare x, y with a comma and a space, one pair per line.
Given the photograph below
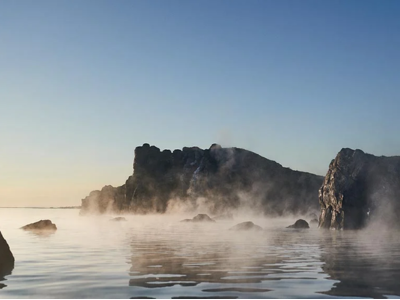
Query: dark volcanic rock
360, 188
223, 178
199, 218
246, 226
300, 223
40, 225
6, 258
118, 219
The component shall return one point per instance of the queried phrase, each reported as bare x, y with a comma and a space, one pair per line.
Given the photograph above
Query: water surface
159, 257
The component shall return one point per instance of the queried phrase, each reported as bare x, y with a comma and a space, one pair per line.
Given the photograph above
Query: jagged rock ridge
223, 178
360, 188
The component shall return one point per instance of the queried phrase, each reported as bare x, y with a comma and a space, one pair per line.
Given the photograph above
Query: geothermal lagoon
157, 256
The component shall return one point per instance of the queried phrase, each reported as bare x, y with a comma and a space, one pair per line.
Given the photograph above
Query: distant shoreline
44, 207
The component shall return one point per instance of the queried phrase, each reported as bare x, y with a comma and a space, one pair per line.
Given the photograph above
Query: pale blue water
159, 257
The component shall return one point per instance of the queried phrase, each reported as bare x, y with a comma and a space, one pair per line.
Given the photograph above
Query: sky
82, 83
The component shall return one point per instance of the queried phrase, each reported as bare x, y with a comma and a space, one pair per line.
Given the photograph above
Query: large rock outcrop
218, 179
360, 188
6, 258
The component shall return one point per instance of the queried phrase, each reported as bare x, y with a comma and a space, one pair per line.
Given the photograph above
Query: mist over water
158, 256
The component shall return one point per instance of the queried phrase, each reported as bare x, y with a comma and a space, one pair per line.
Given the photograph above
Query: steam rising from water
158, 256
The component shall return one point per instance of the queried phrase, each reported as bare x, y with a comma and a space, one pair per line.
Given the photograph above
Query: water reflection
222, 264
162, 264
4, 271
366, 264
159, 257
41, 233
209, 262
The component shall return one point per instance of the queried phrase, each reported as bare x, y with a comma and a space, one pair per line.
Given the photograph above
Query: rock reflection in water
41, 233
210, 261
366, 264
3, 273
224, 264
162, 265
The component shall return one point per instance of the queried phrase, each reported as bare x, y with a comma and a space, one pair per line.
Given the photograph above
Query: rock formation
40, 225
6, 258
222, 179
109, 199
299, 224
360, 188
244, 226
200, 218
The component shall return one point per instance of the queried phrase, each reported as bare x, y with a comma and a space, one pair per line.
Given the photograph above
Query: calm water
159, 257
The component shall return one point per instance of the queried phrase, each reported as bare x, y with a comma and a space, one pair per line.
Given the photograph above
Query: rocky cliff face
216, 178
360, 188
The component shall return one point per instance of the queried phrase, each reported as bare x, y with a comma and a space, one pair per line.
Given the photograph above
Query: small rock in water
117, 219
300, 223
40, 225
202, 218
314, 221
246, 226
199, 218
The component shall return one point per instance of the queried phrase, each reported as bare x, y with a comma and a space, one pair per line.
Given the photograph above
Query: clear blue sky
82, 83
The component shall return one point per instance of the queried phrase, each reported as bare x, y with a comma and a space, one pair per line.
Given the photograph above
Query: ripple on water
157, 258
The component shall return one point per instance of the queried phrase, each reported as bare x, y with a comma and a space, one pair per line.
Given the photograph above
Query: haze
85, 82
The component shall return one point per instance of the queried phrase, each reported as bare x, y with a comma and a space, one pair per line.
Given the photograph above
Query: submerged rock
360, 188
300, 223
118, 219
314, 221
6, 258
200, 218
40, 225
246, 226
